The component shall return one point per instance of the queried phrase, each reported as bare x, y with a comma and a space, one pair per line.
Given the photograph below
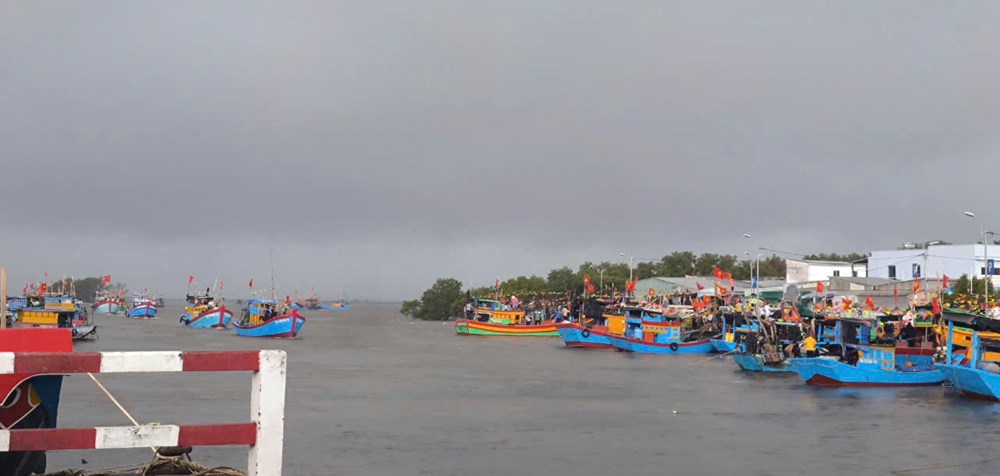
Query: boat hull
643, 347
213, 319
755, 363
142, 311
973, 383
476, 328
107, 308
723, 346
32, 401
288, 325
576, 336
823, 372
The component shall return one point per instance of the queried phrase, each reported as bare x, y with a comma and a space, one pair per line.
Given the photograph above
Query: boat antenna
270, 254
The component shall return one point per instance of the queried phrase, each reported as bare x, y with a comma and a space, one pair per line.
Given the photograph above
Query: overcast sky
377, 145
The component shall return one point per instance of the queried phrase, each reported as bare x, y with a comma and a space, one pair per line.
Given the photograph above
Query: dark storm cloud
395, 142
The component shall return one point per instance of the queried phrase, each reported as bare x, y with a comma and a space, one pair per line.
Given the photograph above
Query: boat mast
270, 254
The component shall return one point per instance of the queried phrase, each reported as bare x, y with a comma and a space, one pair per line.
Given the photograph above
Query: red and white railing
264, 433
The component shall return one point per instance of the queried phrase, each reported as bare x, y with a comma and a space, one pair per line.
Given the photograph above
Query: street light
755, 282
631, 259
986, 258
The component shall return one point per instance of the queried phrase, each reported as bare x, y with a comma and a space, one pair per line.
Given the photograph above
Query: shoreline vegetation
444, 299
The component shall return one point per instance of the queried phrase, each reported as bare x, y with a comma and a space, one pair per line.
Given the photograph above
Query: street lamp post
986, 259
631, 260
756, 281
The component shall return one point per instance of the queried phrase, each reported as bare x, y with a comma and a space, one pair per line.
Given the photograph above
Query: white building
803, 271
933, 262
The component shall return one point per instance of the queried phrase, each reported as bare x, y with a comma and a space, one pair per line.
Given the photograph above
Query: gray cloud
377, 145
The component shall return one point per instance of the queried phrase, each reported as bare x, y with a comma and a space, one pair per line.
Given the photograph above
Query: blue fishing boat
143, 307
313, 303
765, 346
31, 401
975, 370
869, 353
598, 334
674, 334
266, 318
727, 341
205, 312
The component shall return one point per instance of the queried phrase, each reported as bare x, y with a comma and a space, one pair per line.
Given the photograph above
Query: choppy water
371, 392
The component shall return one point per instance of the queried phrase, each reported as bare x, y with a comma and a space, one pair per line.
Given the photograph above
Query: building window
836, 273
916, 271
892, 272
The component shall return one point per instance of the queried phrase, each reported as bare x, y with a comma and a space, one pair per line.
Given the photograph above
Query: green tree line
444, 300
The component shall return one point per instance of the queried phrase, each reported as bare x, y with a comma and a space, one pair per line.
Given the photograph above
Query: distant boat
266, 318
107, 303
202, 312
143, 307
313, 303
159, 303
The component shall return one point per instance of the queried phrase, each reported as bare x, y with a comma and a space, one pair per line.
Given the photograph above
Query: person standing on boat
469, 312
809, 345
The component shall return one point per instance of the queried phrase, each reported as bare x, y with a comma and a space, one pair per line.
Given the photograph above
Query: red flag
935, 306
869, 303
729, 277
105, 280
222, 285
498, 281
41, 288
586, 279
846, 304
895, 294
819, 287
190, 279
916, 286
699, 286
24, 292
944, 282
288, 299
250, 283
717, 272
590, 288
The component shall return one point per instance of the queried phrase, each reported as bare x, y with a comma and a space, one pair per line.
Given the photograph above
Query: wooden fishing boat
672, 335
881, 360
597, 336
202, 312
106, 302
53, 311
31, 401
266, 318
762, 346
313, 303
474, 327
492, 319
143, 307
731, 323
975, 369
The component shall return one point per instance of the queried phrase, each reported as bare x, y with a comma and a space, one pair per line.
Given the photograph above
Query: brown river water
372, 392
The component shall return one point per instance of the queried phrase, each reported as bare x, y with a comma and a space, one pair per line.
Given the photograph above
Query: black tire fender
674, 346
